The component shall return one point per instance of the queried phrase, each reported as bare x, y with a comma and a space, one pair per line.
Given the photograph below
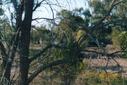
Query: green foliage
115, 37
99, 7
70, 20
123, 40
119, 38
71, 43
72, 38
6, 32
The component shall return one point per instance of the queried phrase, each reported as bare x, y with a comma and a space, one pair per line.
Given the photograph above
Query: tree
70, 23
23, 28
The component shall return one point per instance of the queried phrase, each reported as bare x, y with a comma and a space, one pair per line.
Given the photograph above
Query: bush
119, 39
115, 38
123, 40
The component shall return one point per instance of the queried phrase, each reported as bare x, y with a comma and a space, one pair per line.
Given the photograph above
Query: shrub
123, 40
115, 38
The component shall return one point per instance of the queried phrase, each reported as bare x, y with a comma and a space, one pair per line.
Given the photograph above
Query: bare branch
43, 67
122, 1
42, 18
44, 50
15, 4
111, 55
38, 5
113, 4
48, 19
59, 62
40, 53
53, 15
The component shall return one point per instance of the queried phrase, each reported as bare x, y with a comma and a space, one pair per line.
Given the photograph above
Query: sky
65, 4
44, 11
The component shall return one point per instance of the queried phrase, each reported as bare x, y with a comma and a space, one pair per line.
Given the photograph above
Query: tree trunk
7, 63
24, 61
25, 42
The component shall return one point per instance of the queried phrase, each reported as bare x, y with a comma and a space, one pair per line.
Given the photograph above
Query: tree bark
25, 42
24, 53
